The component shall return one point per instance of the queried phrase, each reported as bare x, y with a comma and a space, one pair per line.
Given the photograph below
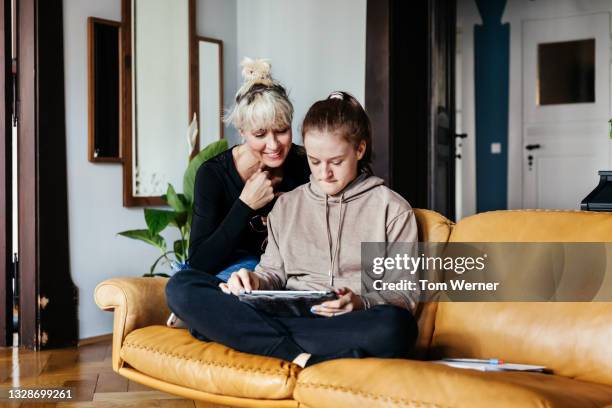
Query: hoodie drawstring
333, 254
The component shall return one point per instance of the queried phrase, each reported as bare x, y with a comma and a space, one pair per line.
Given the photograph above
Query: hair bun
256, 70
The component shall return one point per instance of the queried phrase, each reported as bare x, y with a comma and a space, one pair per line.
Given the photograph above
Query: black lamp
600, 199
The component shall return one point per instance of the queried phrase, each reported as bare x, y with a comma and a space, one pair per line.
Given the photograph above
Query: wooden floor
87, 370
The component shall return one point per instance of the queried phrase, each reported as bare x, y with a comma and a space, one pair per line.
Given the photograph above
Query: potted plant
180, 214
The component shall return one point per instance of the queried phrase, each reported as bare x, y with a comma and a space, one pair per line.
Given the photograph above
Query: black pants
381, 331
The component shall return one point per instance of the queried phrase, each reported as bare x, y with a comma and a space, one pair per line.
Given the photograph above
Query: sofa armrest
136, 302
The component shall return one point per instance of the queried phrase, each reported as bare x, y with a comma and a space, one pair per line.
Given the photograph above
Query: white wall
315, 46
95, 206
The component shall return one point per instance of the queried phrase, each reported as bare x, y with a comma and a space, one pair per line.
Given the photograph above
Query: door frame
469, 16
47, 295
6, 244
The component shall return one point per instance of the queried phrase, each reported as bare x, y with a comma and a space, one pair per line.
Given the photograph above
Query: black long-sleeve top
223, 229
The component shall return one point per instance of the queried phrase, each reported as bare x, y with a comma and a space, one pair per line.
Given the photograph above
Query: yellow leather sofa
573, 339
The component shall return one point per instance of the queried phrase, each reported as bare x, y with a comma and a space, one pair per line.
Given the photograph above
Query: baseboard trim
95, 339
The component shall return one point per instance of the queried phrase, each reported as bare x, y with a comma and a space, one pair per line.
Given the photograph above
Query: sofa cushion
572, 339
174, 356
404, 383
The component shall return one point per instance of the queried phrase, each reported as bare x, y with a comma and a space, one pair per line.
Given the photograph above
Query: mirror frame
129, 199
221, 86
92, 82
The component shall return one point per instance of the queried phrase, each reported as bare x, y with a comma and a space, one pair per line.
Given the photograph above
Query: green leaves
158, 220
208, 152
145, 235
180, 249
177, 201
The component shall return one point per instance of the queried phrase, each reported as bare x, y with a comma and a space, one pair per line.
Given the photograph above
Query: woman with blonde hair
235, 190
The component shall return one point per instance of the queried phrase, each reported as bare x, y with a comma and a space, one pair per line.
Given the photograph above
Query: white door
566, 108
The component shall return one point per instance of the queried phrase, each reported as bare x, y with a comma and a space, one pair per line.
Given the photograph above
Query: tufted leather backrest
572, 339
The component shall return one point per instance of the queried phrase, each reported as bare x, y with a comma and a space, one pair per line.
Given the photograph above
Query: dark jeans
381, 331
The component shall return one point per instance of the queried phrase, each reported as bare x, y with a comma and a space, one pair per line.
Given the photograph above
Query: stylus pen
494, 361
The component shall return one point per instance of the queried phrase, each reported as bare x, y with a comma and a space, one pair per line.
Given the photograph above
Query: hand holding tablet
243, 280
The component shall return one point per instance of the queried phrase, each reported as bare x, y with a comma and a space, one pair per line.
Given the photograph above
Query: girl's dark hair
341, 112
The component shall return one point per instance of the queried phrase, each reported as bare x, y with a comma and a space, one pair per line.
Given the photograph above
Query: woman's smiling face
333, 160
270, 146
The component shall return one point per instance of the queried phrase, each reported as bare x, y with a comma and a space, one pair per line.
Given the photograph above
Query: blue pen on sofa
493, 361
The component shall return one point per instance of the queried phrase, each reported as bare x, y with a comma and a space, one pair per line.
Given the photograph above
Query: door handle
531, 147
461, 135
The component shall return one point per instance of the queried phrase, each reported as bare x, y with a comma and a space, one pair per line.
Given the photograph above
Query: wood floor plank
177, 404
61, 359
81, 369
147, 403
92, 352
133, 396
54, 380
111, 382
6, 367
134, 386
108, 358
83, 389
25, 365
202, 404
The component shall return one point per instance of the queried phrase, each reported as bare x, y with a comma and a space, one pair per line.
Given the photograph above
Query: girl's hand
258, 190
243, 280
347, 302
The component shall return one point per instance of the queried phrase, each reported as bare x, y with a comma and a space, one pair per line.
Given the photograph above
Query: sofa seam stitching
211, 363
367, 394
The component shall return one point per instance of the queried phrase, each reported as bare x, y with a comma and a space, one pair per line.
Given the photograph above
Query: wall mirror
104, 103
210, 70
160, 94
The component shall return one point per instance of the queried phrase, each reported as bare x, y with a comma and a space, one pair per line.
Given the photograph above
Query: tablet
285, 293
286, 303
